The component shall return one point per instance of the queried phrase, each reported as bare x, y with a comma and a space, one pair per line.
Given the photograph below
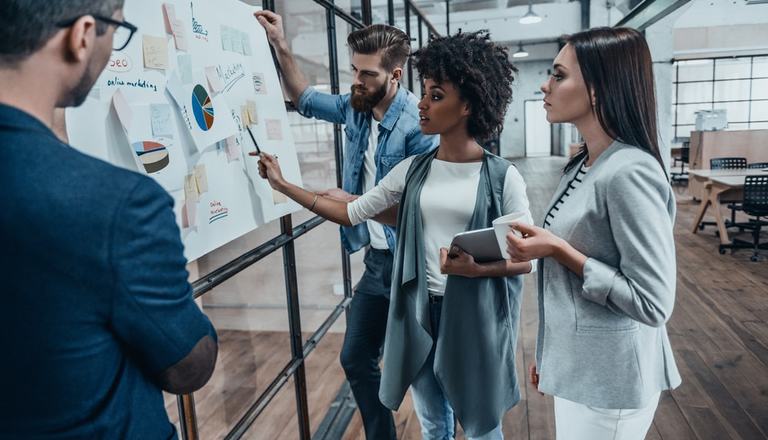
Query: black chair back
758, 165
727, 163
756, 195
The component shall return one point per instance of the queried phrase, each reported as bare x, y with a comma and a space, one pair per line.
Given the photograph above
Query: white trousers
575, 421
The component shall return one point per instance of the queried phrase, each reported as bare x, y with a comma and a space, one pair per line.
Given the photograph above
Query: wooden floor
719, 333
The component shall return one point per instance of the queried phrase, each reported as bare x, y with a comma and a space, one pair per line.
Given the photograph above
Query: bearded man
382, 128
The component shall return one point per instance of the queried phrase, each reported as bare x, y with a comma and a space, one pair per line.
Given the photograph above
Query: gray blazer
602, 339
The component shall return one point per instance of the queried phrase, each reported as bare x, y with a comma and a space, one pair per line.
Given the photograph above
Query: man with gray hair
97, 310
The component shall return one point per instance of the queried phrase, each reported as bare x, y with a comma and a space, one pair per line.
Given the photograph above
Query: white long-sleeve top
447, 202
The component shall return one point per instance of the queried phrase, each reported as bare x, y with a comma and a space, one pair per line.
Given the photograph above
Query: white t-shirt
375, 230
447, 203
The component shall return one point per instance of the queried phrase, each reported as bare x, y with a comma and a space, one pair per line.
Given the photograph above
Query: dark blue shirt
95, 302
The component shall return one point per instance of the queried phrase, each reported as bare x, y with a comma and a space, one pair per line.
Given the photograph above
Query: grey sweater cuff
598, 281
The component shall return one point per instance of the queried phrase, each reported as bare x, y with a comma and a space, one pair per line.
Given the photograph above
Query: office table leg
703, 205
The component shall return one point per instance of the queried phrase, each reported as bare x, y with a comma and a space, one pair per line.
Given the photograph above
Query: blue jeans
432, 408
363, 342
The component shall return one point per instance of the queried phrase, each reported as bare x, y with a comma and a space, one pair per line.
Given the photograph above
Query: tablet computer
480, 243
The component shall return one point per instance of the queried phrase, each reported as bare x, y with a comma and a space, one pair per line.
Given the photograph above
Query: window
737, 85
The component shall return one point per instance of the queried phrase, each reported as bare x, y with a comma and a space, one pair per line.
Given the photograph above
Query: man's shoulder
60, 171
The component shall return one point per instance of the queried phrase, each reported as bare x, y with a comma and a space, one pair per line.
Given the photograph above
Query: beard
81, 90
363, 102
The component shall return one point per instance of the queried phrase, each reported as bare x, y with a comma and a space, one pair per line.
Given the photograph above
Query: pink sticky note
179, 35
274, 129
234, 152
123, 109
189, 214
169, 15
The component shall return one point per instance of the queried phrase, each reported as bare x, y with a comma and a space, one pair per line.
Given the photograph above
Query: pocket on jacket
595, 318
351, 134
389, 161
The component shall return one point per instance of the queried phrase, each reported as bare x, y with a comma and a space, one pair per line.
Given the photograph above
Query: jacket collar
395, 108
12, 117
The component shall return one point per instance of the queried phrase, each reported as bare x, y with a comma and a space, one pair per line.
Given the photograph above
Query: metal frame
712, 101
649, 12
285, 241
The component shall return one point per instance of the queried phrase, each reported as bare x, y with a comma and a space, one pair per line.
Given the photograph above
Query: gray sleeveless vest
475, 353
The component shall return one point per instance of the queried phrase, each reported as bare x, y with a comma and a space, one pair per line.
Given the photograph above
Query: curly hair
479, 69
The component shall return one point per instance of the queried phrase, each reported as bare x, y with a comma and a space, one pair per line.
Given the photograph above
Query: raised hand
273, 24
269, 169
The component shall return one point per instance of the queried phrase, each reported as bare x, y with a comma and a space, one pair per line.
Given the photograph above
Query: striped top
564, 196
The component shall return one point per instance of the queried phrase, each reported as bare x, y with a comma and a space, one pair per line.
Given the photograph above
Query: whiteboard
175, 104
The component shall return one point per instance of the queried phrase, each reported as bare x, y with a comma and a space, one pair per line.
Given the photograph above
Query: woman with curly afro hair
452, 325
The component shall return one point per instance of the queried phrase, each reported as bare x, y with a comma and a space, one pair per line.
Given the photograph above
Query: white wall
530, 76
662, 51
717, 28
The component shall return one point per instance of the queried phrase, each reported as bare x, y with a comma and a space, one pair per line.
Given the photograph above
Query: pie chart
202, 107
153, 155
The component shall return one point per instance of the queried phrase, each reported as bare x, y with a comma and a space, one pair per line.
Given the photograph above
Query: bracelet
314, 201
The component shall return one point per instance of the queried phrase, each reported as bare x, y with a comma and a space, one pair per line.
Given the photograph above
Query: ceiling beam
649, 12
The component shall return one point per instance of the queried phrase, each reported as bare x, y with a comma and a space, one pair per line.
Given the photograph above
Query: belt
435, 299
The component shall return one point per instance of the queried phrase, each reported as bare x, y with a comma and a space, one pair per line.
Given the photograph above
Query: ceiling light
521, 53
530, 17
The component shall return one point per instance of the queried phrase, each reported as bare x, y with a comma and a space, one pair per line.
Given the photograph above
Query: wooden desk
702, 177
719, 188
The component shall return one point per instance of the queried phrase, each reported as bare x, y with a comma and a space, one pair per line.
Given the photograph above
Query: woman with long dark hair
452, 325
606, 251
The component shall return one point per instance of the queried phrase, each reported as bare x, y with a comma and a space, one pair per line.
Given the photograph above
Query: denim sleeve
418, 143
325, 106
153, 312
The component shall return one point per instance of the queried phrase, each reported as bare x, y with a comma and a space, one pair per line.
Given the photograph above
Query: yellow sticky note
191, 194
252, 114
245, 116
155, 52
201, 177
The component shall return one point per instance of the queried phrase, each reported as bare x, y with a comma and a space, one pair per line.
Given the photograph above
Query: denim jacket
399, 137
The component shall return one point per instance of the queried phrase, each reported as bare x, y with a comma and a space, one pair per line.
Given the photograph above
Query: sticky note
160, 115
155, 52
233, 150
250, 107
185, 68
237, 42
169, 16
278, 197
179, 35
189, 214
213, 79
259, 86
245, 116
123, 109
191, 194
274, 129
226, 38
201, 178
246, 43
